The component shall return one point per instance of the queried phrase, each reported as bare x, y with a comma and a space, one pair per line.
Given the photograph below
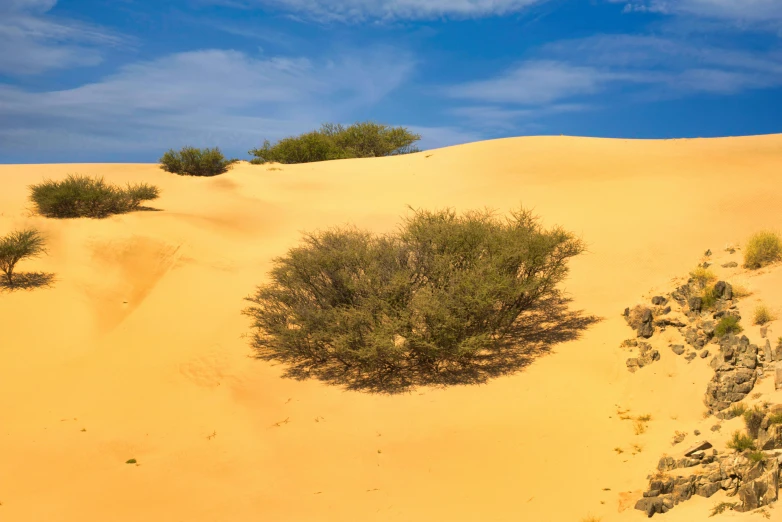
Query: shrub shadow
534, 334
28, 281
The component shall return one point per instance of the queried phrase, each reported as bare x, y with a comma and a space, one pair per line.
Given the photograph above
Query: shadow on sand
534, 334
27, 281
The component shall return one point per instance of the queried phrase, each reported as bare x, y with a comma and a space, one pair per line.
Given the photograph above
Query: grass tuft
762, 249
741, 442
728, 324
762, 315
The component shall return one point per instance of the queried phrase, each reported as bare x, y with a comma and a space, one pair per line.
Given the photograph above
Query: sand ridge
140, 343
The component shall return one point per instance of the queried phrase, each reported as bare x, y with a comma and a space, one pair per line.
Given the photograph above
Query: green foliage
22, 244
762, 249
432, 297
82, 196
191, 161
709, 297
330, 142
741, 441
131, 461
703, 276
756, 456
728, 324
775, 418
752, 420
738, 409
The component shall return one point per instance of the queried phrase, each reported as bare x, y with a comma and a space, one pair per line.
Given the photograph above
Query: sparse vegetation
736, 410
762, 249
131, 461
591, 519
22, 244
740, 290
728, 324
330, 142
752, 420
703, 276
191, 161
741, 442
756, 456
775, 418
82, 196
722, 507
639, 427
709, 297
762, 315
439, 298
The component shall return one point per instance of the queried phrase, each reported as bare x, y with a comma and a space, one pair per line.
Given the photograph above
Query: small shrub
709, 297
82, 196
639, 427
23, 244
434, 298
330, 142
741, 442
191, 161
737, 410
728, 324
762, 249
756, 456
740, 290
722, 507
775, 418
644, 418
762, 315
131, 461
752, 420
703, 276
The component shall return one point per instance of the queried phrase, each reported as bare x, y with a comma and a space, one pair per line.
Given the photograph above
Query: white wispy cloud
362, 10
764, 12
203, 98
32, 41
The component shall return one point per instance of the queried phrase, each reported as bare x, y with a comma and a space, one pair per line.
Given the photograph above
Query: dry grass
762, 314
763, 249
703, 276
740, 289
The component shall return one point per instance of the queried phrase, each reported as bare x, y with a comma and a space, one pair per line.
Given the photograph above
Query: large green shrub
191, 161
429, 298
360, 140
23, 244
82, 196
762, 249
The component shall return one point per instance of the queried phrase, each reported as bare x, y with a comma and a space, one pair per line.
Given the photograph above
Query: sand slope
140, 343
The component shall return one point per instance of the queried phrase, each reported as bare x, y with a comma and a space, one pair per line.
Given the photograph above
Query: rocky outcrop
734, 373
754, 477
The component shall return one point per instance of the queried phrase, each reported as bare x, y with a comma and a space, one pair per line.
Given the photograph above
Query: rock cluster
735, 372
754, 477
647, 356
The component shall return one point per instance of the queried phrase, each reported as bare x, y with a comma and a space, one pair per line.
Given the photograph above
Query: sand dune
137, 351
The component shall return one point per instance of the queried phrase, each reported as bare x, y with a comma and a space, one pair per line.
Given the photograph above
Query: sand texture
139, 350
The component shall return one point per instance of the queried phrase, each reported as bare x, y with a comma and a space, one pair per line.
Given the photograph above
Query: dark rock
723, 290
650, 506
690, 356
695, 304
666, 464
707, 490
763, 331
716, 427
730, 264
678, 349
704, 354
658, 300
646, 330
652, 493
626, 312
700, 446
708, 253
696, 432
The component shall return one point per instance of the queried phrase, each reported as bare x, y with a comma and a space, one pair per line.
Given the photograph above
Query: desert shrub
756, 456
82, 196
738, 409
703, 276
762, 315
191, 161
23, 244
430, 297
775, 418
330, 142
740, 290
722, 507
752, 420
709, 297
741, 441
728, 324
762, 249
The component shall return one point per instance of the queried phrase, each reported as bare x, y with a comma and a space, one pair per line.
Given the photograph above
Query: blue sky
125, 80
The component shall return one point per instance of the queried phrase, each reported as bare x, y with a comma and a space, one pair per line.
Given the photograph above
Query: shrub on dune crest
348, 304
330, 142
762, 249
190, 161
82, 196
